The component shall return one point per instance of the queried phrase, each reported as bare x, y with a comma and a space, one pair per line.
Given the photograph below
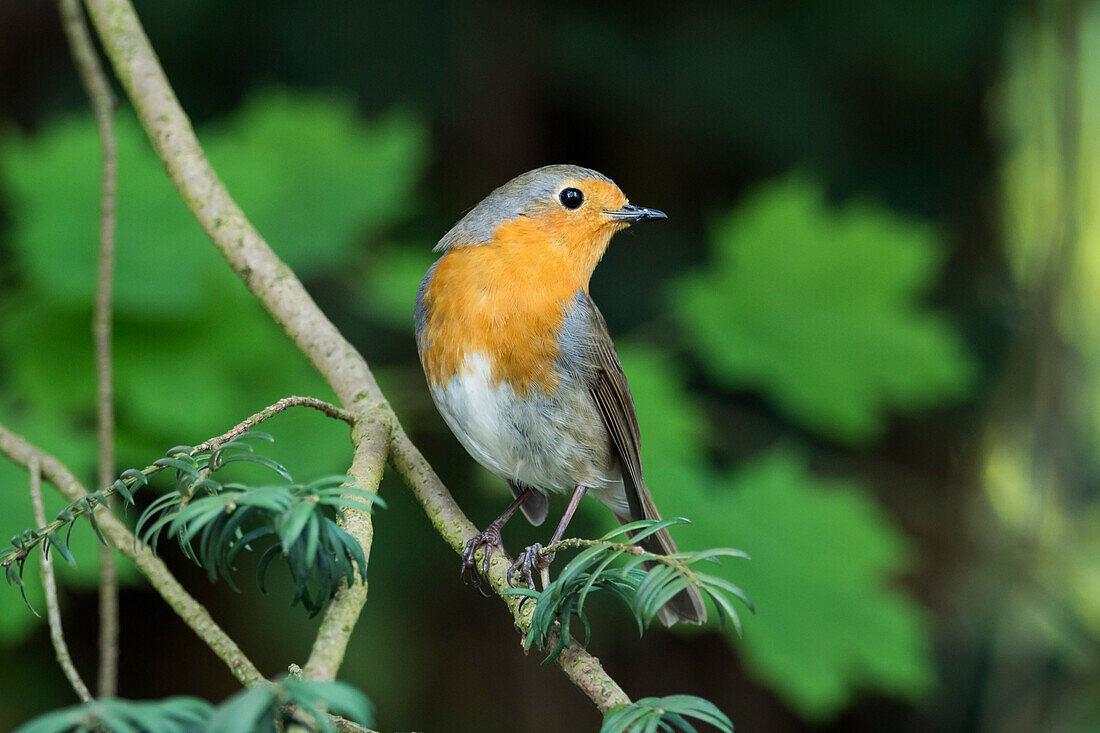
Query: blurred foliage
194, 353
172, 715
392, 273
830, 618
259, 709
283, 157
818, 307
665, 714
214, 520
829, 621
1041, 452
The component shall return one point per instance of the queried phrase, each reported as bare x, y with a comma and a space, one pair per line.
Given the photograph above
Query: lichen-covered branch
102, 101
272, 282
346, 726
49, 587
193, 613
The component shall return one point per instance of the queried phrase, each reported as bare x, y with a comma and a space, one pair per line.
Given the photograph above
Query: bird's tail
687, 605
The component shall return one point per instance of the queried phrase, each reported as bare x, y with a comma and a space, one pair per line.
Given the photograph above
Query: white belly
549, 442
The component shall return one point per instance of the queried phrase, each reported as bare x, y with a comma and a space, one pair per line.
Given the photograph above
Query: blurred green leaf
819, 308
829, 621
393, 273
170, 715
52, 179
312, 174
673, 425
309, 173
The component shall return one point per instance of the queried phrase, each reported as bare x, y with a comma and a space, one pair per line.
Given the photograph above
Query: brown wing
609, 389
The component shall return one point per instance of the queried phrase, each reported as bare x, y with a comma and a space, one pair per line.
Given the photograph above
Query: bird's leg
490, 540
530, 559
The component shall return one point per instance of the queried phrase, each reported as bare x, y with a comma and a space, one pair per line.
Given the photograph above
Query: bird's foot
527, 563
490, 540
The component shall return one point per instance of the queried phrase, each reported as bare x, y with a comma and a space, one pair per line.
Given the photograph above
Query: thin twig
49, 585
193, 613
102, 101
573, 543
346, 726
271, 410
107, 680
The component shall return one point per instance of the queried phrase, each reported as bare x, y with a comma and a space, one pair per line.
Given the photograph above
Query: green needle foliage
171, 715
213, 521
645, 583
14, 556
258, 709
668, 714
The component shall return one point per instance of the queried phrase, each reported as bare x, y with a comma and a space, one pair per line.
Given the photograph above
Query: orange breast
506, 300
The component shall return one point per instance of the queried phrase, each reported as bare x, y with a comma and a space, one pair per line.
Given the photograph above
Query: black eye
571, 198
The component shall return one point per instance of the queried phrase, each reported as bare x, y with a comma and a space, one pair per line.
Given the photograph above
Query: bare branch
49, 585
107, 679
193, 613
102, 100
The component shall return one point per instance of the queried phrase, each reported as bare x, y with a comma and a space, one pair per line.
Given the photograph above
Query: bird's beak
631, 214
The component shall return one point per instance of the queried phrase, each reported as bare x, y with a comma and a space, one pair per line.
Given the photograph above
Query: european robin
520, 363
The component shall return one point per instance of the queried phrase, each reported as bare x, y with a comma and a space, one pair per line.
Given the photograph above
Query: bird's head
562, 210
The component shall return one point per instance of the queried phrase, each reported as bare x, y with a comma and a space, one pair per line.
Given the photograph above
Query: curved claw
527, 563
490, 540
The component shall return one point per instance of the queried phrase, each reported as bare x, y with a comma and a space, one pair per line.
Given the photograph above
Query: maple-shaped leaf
820, 308
830, 619
309, 173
